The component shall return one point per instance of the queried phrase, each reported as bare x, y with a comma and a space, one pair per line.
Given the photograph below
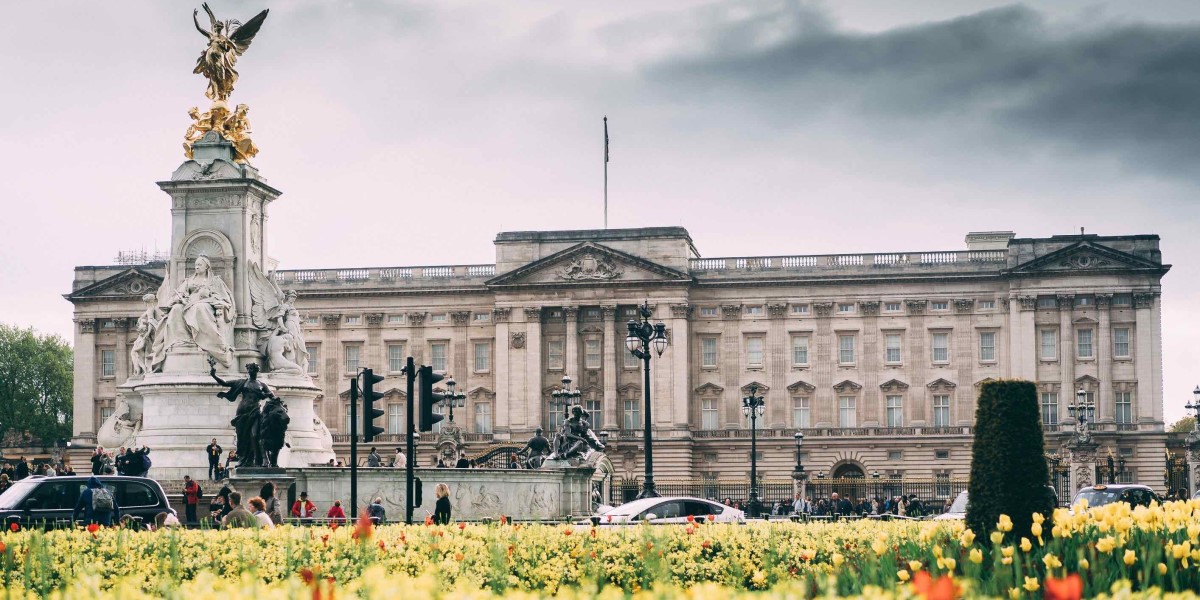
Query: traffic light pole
354, 448
410, 447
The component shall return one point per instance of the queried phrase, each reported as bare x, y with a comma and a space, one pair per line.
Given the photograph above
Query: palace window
987, 346
1049, 408
592, 406
481, 316
1083, 340
483, 417
395, 418
631, 361
554, 354
847, 413
985, 304
1122, 300
311, 320
754, 311
800, 350
942, 487
708, 414
891, 307
1083, 301
483, 357
939, 305
353, 320
438, 409
105, 413
1049, 344
1121, 342
846, 349
396, 358
941, 347
437, 356
799, 309
895, 455
845, 307
314, 358
801, 413
754, 351
941, 411
395, 319
591, 353
630, 416
708, 352
438, 318
1124, 405
895, 411
108, 363
350, 357
708, 311
1047, 302
891, 353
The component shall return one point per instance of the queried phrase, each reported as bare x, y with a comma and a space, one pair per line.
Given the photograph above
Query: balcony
814, 432
977, 261
385, 277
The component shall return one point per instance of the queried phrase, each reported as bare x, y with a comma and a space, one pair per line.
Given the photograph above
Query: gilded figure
227, 40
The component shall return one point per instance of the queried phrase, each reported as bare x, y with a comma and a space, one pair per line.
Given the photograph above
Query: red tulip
1067, 588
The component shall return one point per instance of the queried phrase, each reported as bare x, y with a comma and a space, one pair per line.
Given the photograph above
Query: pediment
979, 384
589, 264
481, 391
893, 385
1084, 257
629, 390
847, 385
802, 386
941, 383
709, 389
761, 387
1087, 380
395, 392
131, 283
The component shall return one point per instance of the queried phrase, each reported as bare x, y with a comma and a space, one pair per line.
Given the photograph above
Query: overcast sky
762, 127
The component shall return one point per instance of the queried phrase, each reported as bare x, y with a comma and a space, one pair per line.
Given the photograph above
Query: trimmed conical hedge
1008, 465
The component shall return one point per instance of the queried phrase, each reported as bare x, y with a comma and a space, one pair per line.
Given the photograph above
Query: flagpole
606, 171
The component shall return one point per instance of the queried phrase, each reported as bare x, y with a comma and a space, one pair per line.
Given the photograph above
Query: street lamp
799, 473
1195, 406
641, 337
875, 477
753, 406
1082, 409
453, 399
565, 396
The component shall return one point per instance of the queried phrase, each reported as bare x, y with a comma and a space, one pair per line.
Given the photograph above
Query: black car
49, 501
1130, 493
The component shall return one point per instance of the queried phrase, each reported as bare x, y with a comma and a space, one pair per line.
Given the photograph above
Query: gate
1176, 476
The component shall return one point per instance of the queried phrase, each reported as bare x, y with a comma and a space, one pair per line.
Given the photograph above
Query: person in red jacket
303, 509
336, 515
191, 499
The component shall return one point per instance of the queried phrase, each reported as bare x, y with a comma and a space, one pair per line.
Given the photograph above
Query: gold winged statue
227, 40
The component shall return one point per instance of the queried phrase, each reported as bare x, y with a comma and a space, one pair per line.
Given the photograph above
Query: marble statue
147, 330
574, 438
246, 421
120, 428
227, 40
274, 313
200, 313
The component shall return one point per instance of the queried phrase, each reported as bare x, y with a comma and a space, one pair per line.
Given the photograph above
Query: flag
605, 139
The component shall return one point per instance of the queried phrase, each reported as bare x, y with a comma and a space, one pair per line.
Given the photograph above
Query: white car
958, 509
670, 509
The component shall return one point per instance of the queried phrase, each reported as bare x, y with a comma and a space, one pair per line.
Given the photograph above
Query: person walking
258, 508
441, 510
238, 516
373, 459
213, 450
191, 499
97, 504
303, 509
376, 512
271, 503
401, 461
336, 515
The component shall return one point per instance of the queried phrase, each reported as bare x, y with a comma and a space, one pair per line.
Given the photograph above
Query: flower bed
1085, 554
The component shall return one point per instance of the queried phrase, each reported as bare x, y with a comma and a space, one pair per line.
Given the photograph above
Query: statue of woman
227, 40
200, 313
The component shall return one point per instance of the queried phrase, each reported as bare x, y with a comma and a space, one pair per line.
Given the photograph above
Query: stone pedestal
250, 481
1082, 458
1193, 461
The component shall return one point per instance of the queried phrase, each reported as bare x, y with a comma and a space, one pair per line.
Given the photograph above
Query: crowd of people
134, 462
22, 468
838, 505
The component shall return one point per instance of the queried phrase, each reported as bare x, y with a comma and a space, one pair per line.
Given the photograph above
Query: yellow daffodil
914, 565
1039, 518
1162, 568
878, 547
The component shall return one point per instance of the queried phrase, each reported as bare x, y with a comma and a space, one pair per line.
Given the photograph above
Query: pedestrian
401, 461
142, 464
336, 515
97, 504
376, 512
22, 468
216, 510
239, 516
462, 463
191, 499
107, 467
303, 509
50, 471
98, 460
373, 459
230, 461
4, 483
271, 503
258, 508
164, 520
213, 450
227, 505
441, 510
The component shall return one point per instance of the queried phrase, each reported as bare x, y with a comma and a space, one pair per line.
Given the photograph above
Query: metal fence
933, 492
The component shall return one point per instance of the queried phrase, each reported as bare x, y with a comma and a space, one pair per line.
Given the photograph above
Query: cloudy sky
763, 127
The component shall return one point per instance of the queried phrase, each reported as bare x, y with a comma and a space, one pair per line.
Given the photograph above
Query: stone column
1024, 343
460, 342
731, 365
614, 359
919, 353
122, 369
870, 359
531, 395
1066, 347
84, 385
963, 362
1148, 354
678, 353
778, 360
331, 373
1106, 407
503, 425
571, 360
823, 354
373, 355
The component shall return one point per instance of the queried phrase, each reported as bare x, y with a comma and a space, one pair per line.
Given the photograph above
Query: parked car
1130, 493
669, 509
49, 501
958, 508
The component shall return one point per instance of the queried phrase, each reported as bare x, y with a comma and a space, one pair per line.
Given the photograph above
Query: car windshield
1097, 497
960, 504
16, 493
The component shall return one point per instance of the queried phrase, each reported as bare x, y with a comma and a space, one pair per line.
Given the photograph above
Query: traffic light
369, 396
428, 398
416, 491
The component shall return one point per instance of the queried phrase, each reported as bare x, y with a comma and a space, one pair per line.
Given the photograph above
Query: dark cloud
1130, 90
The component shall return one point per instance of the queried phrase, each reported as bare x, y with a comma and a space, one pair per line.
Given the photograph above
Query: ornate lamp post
565, 396
798, 473
641, 337
1082, 409
875, 479
753, 406
453, 399
1195, 407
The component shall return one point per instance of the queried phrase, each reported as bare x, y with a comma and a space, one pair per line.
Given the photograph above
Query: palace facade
876, 358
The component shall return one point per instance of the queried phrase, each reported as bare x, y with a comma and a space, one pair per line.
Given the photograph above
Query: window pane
629, 416
892, 342
801, 417
395, 419
845, 349
108, 363
396, 357
1049, 344
554, 354
1121, 342
593, 409
847, 415
708, 353
754, 352
895, 412
1084, 340
483, 357
708, 414
941, 411
1124, 407
631, 361
1049, 408
351, 356
483, 417
941, 347
437, 356
591, 356
313, 358
987, 346
800, 351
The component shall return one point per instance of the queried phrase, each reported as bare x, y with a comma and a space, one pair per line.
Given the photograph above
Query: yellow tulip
997, 537
1031, 584
1130, 557
1014, 593
1162, 569
949, 563
967, 538
1026, 545
1084, 564
976, 555
1106, 544
1051, 561
838, 559
1036, 529
1005, 524
1007, 551
879, 547
902, 575
1038, 518
914, 565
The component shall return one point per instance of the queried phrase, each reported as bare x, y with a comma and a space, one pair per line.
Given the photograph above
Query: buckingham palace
876, 358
